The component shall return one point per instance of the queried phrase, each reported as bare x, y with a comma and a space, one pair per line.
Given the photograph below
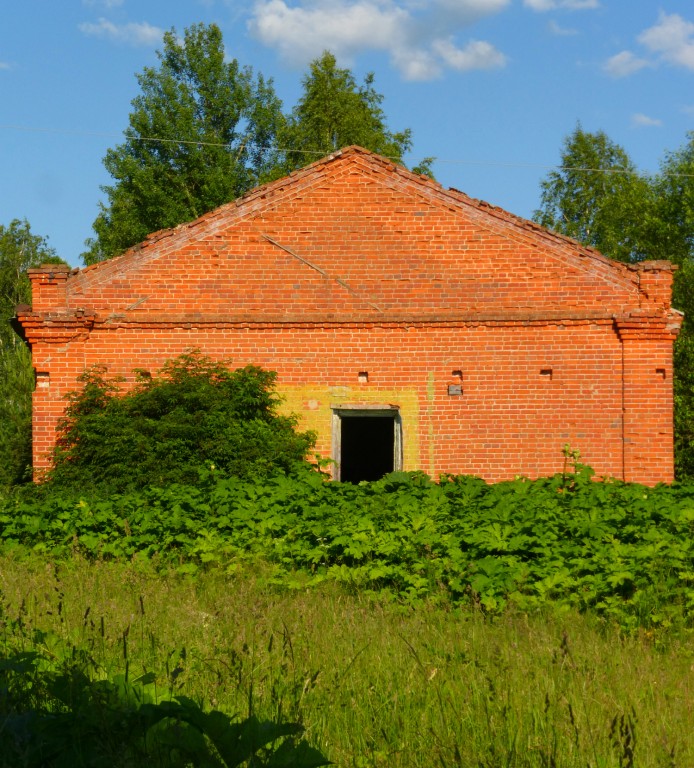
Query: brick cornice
55, 327
636, 326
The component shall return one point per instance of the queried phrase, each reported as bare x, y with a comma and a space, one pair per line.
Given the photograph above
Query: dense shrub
194, 415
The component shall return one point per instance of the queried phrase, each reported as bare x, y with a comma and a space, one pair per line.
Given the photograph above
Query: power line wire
318, 153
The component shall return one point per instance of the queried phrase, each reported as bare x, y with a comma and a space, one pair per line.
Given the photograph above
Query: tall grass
374, 683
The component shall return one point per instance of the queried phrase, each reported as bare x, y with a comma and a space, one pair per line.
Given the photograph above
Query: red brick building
411, 326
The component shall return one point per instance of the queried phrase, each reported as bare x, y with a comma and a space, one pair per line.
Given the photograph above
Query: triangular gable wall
355, 234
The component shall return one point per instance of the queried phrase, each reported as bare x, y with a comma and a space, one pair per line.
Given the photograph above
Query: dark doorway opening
367, 447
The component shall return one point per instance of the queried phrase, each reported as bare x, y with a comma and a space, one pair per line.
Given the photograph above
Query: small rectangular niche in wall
455, 388
661, 372
363, 377
43, 380
546, 373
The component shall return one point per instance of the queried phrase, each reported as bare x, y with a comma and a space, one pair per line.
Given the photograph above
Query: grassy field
373, 682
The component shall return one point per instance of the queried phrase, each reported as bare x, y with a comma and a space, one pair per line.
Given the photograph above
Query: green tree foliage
598, 198
675, 203
683, 386
204, 130
629, 217
335, 112
16, 386
193, 416
19, 250
201, 132
674, 194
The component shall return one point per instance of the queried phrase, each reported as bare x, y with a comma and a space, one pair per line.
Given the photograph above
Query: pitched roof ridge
495, 210
369, 160
535, 228
263, 190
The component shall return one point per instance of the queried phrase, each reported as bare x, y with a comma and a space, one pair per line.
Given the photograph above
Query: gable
357, 236
364, 285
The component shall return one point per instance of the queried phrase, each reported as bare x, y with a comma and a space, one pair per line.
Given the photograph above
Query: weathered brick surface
355, 264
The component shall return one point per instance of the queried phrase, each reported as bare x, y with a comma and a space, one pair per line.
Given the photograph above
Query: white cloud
477, 54
555, 29
672, 38
4, 65
416, 64
623, 64
640, 120
304, 33
134, 33
580, 5
552, 5
103, 3
417, 34
462, 11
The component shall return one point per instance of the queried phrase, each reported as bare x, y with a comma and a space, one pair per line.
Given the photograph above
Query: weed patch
622, 551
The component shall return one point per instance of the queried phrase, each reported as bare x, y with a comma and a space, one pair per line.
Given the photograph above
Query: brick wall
355, 265
528, 389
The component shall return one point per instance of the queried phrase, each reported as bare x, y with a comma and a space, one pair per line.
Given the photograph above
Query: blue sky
489, 87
